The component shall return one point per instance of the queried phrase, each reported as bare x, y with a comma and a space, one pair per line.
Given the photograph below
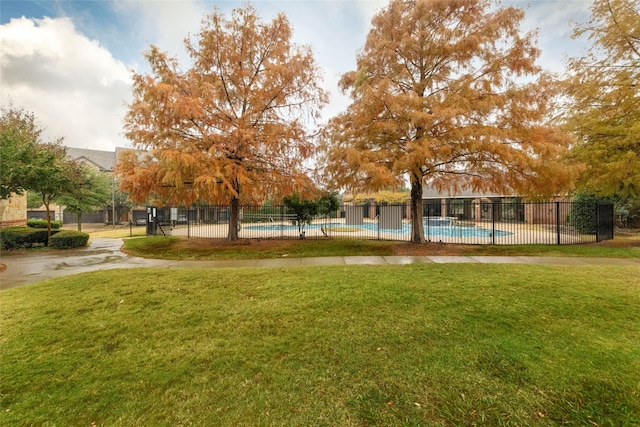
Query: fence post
493, 223
428, 222
281, 222
597, 221
558, 222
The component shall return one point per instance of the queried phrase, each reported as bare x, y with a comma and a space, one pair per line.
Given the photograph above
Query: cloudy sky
70, 61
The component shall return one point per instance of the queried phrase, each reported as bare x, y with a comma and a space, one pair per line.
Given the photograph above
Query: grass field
117, 232
180, 248
415, 345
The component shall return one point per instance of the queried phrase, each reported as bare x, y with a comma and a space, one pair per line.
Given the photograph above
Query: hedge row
42, 223
25, 237
69, 239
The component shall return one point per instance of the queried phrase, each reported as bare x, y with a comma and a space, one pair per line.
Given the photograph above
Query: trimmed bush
13, 237
42, 223
584, 215
23, 237
69, 239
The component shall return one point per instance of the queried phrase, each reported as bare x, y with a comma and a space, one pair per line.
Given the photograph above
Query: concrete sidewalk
105, 254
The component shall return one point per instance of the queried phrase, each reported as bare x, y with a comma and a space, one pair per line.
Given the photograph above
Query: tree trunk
234, 219
417, 228
79, 221
46, 206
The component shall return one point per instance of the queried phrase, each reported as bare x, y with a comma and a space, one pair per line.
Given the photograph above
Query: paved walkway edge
105, 254
402, 260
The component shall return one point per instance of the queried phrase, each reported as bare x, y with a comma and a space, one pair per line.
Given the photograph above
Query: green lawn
118, 232
180, 248
335, 346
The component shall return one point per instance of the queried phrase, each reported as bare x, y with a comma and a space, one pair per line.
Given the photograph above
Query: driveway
102, 254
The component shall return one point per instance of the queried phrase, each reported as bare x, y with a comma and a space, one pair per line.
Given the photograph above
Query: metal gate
604, 212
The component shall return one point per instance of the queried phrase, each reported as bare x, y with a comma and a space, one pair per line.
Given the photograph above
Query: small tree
50, 174
121, 199
327, 204
90, 193
305, 210
19, 135
26, 163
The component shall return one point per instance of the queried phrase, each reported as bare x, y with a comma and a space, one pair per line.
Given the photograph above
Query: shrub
583, 215
23, 237
69, 239
42, 223
13, 237
304, 211
628, 212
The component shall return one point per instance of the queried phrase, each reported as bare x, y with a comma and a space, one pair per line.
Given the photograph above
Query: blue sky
70, 61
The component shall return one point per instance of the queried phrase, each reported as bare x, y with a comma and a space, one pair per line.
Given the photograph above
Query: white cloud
73, 85
79, 91
368, 8
553, 20
336, 31
164, 24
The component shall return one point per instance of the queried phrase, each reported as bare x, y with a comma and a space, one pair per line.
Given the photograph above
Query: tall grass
349, 346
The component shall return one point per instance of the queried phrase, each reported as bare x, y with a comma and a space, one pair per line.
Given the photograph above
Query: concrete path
104, 254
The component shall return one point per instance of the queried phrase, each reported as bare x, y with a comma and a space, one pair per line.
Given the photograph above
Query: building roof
103, 160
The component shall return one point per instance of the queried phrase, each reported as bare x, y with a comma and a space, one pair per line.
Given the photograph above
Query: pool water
463, 231
437, 231
288, 227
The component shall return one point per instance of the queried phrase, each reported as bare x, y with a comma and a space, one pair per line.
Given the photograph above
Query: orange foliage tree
604, 89
233, 128
447, 93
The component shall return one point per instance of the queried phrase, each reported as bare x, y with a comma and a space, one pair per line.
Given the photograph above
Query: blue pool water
288, 227
431, 231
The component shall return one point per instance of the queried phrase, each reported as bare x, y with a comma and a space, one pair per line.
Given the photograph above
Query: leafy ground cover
179, 248
350, 346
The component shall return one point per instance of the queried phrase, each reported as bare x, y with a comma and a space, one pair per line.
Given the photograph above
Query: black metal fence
453, 221
604, 221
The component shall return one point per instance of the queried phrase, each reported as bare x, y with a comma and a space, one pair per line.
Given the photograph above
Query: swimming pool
430, 231
288, 227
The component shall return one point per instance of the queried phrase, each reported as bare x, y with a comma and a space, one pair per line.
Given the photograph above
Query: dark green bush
584, 215
13, 237
42, 223
69, 239
23, 237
